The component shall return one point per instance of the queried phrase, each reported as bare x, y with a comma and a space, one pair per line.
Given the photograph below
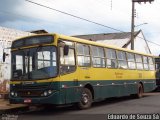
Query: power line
23, 16
36, 18
149, 41
18, 15
153, 42
84, 19
50, 21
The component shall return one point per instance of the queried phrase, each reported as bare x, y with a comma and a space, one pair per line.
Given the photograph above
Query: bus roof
98, 44
80, 40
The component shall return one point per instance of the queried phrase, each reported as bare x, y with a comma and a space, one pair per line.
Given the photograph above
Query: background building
122, 40
7, 35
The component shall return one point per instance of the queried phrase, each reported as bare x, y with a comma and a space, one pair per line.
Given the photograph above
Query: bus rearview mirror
4, 56
66, 50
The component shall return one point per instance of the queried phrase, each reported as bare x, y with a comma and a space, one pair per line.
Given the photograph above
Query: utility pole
132, 22
132, 26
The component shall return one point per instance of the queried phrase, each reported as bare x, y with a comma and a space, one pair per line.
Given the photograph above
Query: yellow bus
58, 69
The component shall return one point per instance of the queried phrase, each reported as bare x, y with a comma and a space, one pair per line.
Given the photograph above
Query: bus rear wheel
140, 91
86, 99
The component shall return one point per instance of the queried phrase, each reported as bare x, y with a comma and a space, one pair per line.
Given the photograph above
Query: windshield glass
34, 63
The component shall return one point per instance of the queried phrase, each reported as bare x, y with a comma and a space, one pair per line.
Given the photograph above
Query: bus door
68, 76
157, 62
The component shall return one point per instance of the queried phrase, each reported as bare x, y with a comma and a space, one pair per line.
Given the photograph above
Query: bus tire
86, 99
140, 91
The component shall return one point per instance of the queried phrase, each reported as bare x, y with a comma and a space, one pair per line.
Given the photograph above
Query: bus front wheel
86, 99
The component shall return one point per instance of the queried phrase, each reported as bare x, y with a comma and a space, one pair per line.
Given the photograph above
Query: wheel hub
85, 98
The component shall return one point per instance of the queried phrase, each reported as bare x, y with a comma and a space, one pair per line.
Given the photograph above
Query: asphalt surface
148, 105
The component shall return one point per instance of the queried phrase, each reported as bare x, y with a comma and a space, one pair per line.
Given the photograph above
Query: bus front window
34, 63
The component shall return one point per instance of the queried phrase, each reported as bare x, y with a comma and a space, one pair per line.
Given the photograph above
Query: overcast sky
22, 15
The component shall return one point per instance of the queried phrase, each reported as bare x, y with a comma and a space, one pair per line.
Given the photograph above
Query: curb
15, 109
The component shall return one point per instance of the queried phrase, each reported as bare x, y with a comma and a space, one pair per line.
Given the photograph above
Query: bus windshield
34, 63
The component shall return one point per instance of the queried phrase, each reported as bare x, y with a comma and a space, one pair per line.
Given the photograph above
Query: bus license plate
27, 101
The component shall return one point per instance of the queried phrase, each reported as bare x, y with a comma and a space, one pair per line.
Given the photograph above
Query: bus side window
151, 63
67, 61
98, 57
122, 61
139, 62
111, 58
145, 63
131, 60
83, 55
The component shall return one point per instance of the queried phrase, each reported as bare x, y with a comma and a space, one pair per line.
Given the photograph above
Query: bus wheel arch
89, 86
86, 97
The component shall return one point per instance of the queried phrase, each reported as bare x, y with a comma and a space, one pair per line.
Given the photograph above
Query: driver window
67, 62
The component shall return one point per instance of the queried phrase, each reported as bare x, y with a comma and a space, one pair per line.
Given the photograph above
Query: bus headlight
45, 93
15, 94
49, 92
12, 93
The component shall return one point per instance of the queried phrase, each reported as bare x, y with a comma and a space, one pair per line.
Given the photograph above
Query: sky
22, 15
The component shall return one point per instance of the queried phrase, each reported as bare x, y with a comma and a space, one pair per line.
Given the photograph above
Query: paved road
149, 104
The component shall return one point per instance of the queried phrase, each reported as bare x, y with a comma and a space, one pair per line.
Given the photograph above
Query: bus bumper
54, 98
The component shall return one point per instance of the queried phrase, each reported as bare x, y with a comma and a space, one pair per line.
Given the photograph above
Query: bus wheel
140, 91
86, 99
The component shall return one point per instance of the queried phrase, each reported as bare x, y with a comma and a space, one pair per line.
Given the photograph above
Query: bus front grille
30, 87
29, 93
